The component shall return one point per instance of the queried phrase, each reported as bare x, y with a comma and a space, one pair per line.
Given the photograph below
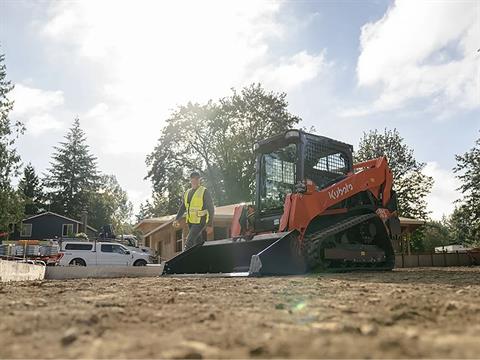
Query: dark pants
196, 235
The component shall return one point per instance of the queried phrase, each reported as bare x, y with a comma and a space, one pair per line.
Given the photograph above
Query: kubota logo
340, 191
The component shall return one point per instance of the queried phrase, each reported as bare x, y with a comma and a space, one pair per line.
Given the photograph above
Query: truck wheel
140, 263
77, 262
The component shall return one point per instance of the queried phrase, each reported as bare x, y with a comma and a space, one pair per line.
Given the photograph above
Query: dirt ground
416, 313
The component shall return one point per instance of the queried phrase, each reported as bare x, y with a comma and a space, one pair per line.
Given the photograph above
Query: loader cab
283, 164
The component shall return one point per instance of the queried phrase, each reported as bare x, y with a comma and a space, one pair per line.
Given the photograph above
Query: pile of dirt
431, 312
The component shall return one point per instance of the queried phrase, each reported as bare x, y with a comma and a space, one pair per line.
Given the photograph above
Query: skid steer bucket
267, 254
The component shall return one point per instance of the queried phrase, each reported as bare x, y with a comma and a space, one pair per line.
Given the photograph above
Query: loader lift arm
300, 209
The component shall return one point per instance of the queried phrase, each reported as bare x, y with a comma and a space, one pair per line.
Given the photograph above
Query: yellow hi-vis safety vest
194, 208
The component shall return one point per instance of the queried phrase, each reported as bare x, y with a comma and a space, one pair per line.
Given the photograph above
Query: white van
81, 253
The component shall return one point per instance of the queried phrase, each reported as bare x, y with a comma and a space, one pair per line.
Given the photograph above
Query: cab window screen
324, 163
280, 171
334, 163
278, 177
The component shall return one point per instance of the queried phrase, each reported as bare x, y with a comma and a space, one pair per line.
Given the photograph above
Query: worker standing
198, 205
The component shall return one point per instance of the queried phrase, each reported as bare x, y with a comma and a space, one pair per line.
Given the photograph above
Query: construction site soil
432, 313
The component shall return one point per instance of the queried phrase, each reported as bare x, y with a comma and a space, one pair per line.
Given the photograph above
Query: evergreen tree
11, 204
31, 189
73, 177
160, 205
436, 233
110, 205
468, 170
144, 212
460, 224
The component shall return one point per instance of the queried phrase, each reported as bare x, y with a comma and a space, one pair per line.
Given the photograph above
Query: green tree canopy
468, 171
217, 139
436, 233
73, 176
144, 212
160, 204
11, 208
410, 183
31, 188
461, 225
110, 205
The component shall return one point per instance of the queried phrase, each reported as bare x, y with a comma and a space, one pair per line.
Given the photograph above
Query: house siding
146, 227
164, 240
49, 226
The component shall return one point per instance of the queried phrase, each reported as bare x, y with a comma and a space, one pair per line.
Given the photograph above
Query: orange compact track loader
314, 210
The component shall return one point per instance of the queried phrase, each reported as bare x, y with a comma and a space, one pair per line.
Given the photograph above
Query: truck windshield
278, 174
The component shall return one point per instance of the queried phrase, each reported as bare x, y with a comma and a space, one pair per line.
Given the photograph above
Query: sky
347, 67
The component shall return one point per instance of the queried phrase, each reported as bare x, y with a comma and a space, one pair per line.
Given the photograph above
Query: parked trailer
34, 251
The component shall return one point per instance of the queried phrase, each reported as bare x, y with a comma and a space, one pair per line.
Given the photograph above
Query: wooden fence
434, 259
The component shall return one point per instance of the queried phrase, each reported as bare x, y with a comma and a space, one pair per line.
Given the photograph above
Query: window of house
67, 230
26, 230
111, 248
178, 238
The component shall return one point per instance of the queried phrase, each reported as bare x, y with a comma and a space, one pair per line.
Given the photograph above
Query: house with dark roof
49, 225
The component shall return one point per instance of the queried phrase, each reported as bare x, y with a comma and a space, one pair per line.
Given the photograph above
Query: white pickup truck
82, 253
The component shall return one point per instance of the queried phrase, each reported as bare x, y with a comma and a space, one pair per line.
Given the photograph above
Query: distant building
50, 225
402, 245
451, 248
166, 241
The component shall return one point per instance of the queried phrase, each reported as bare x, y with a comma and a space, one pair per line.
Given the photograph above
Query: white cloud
441, 199
153, 55
291, 72
148, 57
35, 108
422, 49
39, 124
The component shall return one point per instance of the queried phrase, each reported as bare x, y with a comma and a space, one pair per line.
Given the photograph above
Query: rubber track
341, 226
315, 239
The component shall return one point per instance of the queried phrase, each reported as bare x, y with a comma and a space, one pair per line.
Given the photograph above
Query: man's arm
208, 201
181, 211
